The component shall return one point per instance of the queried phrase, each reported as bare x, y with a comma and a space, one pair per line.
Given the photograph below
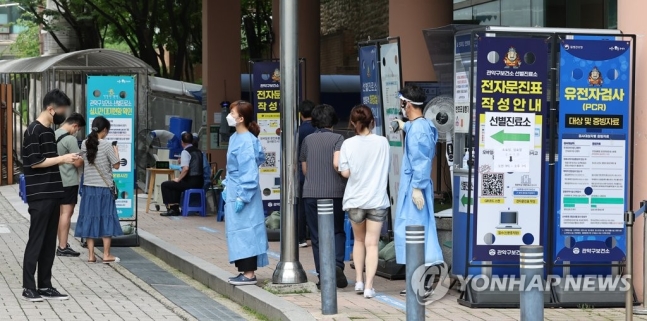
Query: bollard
629, 296
415, 253
327, 276
643, 310
531, 298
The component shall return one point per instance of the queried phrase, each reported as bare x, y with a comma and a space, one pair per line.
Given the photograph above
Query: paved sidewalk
97, 291
204, 237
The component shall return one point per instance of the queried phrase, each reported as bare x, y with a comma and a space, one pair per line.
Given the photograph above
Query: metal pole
629, 297
643, 311
289, 269
328, 277
531, 264
415, 252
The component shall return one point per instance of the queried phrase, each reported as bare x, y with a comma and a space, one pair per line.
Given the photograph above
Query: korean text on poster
114, 98
510, 97
369, 72
592, 172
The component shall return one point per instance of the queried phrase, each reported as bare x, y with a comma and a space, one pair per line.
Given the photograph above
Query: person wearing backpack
67, 143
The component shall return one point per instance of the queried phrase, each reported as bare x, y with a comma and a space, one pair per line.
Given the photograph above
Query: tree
27, 43
257, 27
148, 28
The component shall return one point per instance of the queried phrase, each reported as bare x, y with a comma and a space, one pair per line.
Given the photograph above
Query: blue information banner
114, 97
511, 92
369, 78
592, 171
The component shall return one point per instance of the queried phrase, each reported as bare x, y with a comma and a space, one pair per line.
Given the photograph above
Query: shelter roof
92, 58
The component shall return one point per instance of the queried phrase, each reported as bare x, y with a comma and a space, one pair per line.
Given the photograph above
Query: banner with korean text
369, 78
592, 168
266, 97
114, 97
510, 106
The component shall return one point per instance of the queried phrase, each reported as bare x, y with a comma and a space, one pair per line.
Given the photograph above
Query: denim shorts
358, 215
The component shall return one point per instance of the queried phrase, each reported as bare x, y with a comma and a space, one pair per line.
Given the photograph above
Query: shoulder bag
113, 188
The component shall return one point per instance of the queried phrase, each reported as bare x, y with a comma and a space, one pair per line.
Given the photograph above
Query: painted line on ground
206, 229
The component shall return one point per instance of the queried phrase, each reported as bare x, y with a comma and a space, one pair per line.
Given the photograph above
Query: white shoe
369, 293
304, 244
359, 287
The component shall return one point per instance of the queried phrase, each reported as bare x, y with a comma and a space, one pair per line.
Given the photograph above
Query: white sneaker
369, 293
304, 244
359, 287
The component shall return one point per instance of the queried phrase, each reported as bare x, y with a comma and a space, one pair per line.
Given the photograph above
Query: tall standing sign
592, 171
369, 72
266, 97
114, 97
510, 106
390, 78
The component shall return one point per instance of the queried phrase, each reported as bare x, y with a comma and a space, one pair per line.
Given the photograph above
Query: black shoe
170, 212
52, 294
319, 286
342, 282
31, 295
67, 251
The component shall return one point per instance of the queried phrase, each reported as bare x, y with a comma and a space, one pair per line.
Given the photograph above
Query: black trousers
246, 264
171, 191
41, 246
313, 225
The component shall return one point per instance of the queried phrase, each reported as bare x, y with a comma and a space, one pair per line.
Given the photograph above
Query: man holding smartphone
44, 191
66, 143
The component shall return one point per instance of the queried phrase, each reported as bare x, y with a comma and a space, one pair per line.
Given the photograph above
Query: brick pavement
204, 237
97, 291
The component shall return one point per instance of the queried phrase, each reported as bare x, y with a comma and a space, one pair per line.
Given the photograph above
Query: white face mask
404, 113
231, 121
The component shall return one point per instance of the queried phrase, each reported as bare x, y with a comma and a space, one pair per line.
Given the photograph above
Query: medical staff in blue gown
415, 200
244, 218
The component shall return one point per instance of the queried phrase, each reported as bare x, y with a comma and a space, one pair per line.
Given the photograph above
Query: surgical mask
404, 112
231, 121
58, 118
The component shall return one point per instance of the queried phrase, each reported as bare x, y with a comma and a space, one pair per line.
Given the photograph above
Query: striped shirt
37, 145
317, 151
106, 157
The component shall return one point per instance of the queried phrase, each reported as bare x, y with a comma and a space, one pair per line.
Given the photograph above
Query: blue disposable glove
239, 205
175, 167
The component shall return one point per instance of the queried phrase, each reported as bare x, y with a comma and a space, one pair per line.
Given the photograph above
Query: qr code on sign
270, 160
492, 184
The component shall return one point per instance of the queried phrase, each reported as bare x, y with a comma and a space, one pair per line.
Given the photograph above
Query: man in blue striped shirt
44, 190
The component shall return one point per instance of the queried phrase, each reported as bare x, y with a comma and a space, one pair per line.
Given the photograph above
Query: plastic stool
186, 202
22, 188
350, 239
221, 208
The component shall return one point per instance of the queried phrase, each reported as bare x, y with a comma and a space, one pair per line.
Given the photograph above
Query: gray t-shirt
67, 145
106, 157
321, 179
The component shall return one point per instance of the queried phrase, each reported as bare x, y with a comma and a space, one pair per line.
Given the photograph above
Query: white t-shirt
367, 158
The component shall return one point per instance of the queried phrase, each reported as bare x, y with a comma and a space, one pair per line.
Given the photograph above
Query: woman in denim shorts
364, 160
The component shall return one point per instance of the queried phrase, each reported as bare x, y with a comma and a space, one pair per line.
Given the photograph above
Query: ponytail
92, 145
254, 128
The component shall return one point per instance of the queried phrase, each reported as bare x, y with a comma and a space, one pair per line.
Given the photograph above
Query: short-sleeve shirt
317, 151
37, 145
367, 158
185, 157
106, 157
67, 145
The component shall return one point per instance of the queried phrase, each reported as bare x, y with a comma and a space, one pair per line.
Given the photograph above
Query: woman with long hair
244, 218
98, 212
364, 160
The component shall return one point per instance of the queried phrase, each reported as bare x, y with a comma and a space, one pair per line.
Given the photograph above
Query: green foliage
256, 28
27, 43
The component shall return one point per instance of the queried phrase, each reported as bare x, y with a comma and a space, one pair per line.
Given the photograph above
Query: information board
114, 97
592, 170
510, 104
369, 78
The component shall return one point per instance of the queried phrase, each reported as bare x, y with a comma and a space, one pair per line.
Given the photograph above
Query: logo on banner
595, 78
512, 59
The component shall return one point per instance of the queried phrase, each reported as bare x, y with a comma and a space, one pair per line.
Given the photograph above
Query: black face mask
58, 118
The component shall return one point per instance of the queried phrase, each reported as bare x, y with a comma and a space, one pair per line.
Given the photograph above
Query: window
488, 13
463, 14
515, 13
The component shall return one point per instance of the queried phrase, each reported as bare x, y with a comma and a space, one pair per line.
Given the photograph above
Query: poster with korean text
113, 97
592, 170
369, 78
510, 107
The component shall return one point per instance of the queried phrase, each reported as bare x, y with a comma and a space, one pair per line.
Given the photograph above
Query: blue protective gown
419, 150
246, 233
